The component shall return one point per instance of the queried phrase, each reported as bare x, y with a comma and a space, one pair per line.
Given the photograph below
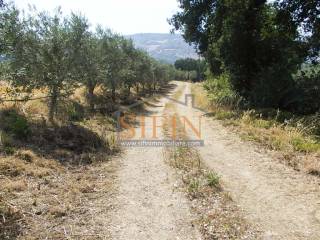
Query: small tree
111, 61
87, 57
129, 72
44, 56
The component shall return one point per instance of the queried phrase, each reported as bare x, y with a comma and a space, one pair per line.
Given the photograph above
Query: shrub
221, 92
304, 145
14, 123
75, 112
71, 111
6, 143
307, 100
225, 115
5, 140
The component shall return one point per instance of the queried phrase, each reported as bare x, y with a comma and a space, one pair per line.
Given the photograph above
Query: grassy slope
51, 175
55, 180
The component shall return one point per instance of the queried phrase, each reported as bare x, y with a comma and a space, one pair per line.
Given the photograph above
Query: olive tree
44, 55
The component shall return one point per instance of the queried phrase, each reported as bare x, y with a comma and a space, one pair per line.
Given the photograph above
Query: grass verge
55, 179
297, 139
217, 215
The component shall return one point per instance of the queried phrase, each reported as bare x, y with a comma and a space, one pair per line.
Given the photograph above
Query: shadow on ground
69, 144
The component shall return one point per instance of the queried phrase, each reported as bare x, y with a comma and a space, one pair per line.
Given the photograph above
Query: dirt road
283, 203
147, 205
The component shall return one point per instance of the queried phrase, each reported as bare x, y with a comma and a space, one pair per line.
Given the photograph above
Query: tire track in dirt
147, 205
284, 203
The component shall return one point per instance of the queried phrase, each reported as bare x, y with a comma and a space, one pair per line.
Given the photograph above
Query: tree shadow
69, 144
144, 109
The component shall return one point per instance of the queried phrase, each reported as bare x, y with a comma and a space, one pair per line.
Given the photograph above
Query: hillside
164, 47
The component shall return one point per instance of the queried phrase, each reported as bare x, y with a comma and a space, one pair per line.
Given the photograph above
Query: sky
122, 16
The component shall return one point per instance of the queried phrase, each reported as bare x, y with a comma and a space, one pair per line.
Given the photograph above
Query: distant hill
164, 47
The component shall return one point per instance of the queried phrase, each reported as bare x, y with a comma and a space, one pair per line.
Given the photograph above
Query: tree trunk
90, 96
113, 93
53, 103
137, 89
129, 91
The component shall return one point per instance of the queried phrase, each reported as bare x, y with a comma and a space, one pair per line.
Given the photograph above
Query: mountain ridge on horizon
165, 47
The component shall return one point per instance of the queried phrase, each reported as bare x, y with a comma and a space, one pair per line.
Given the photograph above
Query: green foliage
74, 111
187, 64
302, 145
213, 179
194, 186
6, 143
192, 65
220, 90
307, 91
305, 14
60, 53
260, 45
14, 124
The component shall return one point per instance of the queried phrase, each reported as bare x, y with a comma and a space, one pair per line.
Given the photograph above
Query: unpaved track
147, 205
284, 203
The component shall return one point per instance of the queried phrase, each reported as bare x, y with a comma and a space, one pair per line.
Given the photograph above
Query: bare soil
148, 206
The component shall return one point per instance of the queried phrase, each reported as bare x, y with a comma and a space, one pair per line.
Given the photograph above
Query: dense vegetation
261, 54
195, 68
58, 54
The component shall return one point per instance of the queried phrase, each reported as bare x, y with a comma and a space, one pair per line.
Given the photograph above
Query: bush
71, 111
274, 88
6, 143
307, 92
14, 123
221, 92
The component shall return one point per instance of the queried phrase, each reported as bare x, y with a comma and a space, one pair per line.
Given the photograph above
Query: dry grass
294, 139
43, 198
56, 180
217, 215
177, 94
61, 204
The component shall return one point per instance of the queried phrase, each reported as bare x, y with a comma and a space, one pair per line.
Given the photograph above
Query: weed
305, 145
223, 115
9, 150
213, 179
194, 186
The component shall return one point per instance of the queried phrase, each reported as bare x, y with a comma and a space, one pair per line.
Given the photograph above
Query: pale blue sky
122, 16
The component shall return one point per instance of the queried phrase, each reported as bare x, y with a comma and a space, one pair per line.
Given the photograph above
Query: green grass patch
213, 179
305, 145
